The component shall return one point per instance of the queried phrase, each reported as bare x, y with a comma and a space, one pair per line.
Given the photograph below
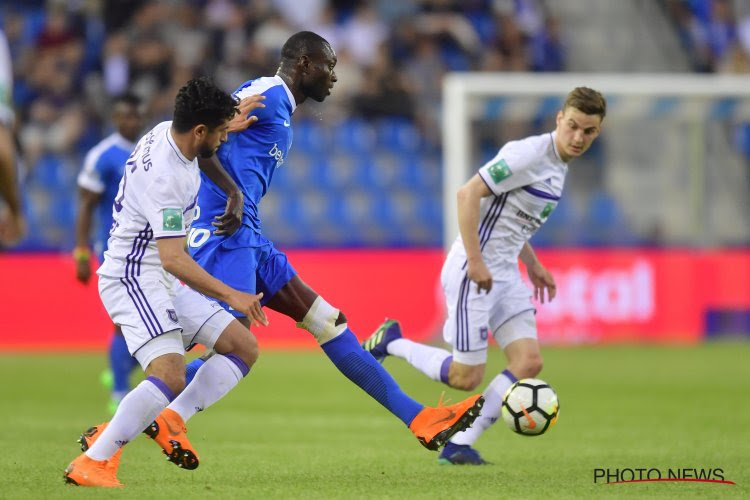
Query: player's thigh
283, 290
467, 325
144, 310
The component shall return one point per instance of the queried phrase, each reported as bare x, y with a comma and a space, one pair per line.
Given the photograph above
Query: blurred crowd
71, 56
366, 163
714, 33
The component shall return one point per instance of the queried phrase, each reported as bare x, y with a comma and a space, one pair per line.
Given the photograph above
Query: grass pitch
295, 428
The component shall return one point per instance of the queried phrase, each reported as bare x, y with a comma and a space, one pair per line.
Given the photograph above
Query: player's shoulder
532, 144
277, 94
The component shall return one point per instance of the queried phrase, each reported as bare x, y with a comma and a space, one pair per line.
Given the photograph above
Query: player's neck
292, 83
184, 143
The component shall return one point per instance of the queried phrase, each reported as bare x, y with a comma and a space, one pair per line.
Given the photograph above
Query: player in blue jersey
248, 261
98, 182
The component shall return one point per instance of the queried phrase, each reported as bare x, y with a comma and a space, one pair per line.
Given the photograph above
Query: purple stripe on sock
445, 369
237, 361
164, 388
510, 376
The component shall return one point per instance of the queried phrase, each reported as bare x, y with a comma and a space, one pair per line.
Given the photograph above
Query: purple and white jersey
527, 178
156, 199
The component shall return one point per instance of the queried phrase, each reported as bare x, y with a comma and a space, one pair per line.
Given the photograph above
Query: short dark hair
126, 98
587, 100
198, 102
302, 44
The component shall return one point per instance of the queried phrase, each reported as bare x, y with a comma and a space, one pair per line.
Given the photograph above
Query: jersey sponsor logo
499, 171
277, 155
523, 215
172, 219
548, 208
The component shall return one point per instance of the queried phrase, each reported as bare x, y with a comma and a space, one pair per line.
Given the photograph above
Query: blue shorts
251, 269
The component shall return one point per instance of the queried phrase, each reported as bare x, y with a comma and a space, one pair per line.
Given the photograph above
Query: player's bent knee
528, 367
323, 321
238, 340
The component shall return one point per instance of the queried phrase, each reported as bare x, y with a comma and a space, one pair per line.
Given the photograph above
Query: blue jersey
251, 157
102, 171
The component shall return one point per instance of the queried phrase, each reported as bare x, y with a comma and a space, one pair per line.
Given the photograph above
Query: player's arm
468, 199
12, 228
231, 220
540, 277
177, 262
87, 203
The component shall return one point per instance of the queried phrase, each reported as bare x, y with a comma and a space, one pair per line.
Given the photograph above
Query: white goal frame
458, 88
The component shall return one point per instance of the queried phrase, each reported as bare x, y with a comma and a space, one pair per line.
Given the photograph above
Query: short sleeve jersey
252, 156
101, 173
156, 199
526, 178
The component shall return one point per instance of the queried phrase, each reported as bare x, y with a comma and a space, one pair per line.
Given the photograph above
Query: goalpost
672, 147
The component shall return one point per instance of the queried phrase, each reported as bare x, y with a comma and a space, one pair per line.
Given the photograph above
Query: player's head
127, 115
311, 59
579, 122
202, 110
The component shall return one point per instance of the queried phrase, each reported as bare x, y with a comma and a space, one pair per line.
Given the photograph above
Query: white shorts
473, 316
157, 319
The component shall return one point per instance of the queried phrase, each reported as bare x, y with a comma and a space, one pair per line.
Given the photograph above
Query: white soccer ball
530, 407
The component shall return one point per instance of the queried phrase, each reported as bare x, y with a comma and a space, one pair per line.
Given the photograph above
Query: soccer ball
530, 407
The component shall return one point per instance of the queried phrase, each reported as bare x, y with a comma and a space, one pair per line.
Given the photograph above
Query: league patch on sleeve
499, 171
172, 219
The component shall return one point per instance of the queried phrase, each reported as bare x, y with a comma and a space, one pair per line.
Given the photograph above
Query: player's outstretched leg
432, 426
387, 340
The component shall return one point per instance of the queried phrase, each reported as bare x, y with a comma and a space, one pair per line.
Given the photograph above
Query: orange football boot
434, 426
84, 471
89, 437
169, 431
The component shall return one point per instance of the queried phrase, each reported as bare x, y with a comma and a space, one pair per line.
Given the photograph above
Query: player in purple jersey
248, 261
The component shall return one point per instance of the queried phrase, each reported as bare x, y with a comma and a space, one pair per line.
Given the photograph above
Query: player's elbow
170, 262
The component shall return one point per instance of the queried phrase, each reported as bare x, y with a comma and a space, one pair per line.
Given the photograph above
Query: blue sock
361, 368
121, 363
191, 369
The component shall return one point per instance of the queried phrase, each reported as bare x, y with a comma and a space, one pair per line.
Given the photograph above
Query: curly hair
198, 102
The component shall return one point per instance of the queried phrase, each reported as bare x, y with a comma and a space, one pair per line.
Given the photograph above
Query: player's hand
249, 304
241, 120
542, 280
479, 274
83, 270
12, 229
231, 220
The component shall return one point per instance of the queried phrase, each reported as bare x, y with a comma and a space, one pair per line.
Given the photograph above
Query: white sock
432, 361
213, 380
493, 403
136, 410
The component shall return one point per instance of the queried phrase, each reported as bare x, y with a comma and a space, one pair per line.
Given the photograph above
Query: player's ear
559, 118
304, 63
200, 131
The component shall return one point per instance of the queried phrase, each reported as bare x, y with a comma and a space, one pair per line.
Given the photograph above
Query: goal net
670, 167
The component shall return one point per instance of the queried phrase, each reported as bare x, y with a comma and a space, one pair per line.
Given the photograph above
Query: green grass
297, 429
